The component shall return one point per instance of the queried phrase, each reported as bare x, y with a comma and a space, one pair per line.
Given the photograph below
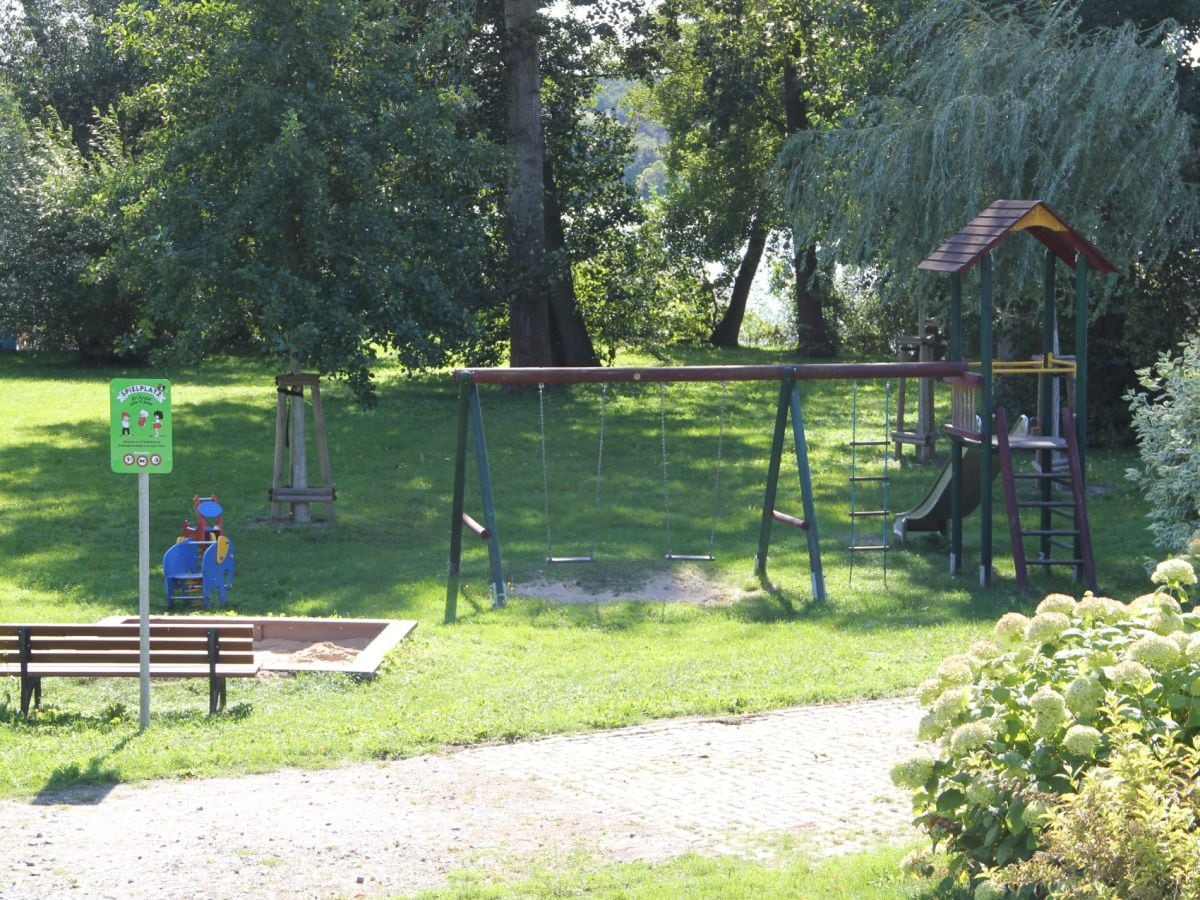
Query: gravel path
649, 792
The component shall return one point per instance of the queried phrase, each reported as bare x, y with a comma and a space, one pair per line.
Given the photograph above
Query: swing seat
570, 559
690, 557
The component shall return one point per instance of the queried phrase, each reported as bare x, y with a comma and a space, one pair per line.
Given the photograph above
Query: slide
932, 513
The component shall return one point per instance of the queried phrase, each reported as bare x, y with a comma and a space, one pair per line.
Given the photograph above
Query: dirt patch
680, 586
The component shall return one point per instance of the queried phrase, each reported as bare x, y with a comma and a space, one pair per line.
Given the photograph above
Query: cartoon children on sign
147, 446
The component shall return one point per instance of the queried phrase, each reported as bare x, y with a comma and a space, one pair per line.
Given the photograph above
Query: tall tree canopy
996, 100
306, 185
731, 80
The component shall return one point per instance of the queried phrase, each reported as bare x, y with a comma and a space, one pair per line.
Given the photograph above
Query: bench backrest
120, 644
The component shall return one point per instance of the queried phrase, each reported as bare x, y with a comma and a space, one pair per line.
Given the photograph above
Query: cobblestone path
649, 792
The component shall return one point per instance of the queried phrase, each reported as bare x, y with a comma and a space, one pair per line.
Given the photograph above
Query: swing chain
662, 422
545, 468
712, 533
599, 466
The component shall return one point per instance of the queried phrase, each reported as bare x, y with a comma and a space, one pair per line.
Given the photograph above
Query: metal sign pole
140, 443
144, 594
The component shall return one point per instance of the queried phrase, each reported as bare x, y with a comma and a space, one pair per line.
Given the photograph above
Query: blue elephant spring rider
201, 562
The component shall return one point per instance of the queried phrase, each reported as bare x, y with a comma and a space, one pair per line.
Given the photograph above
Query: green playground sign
140, 425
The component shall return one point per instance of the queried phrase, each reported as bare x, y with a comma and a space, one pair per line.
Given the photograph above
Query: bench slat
105, 670
41, 643
115, 629
120, 657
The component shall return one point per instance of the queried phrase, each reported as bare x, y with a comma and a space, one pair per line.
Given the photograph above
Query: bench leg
216, 695
31, 688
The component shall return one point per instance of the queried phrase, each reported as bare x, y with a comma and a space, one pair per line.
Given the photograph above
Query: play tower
976, 424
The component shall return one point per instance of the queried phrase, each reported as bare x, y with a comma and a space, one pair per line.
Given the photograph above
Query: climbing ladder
1072, 535
881, 481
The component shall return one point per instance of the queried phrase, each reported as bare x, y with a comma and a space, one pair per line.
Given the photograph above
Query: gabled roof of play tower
997, 222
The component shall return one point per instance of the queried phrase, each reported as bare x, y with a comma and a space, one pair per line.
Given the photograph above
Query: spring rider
201, 562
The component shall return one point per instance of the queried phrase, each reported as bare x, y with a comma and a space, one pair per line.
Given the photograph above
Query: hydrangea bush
1018, 720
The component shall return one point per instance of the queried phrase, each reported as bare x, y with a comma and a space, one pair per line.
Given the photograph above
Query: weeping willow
1002, 101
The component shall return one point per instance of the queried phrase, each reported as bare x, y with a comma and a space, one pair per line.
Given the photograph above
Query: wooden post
956, 495
293, 453
986, 424
457, 503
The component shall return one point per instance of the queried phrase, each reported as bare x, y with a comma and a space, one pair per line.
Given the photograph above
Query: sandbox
293, 644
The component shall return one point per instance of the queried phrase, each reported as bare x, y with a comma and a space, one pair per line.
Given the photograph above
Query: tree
1004, 102
309, 185
576, 196
731, 81
56, 57
54, 225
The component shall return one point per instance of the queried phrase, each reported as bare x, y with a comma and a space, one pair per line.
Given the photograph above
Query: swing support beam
470, 435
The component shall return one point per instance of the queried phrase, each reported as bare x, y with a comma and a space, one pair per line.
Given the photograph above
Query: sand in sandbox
272, 653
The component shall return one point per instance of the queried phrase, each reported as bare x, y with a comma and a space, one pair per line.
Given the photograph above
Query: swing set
471, 435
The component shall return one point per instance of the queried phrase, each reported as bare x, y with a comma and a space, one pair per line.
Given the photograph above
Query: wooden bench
111, 650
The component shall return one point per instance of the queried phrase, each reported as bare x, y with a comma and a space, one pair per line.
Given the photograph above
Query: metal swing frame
470, 433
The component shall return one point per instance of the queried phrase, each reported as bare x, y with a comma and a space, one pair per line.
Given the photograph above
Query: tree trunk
727, 330
812, 334
572, 343
529, 308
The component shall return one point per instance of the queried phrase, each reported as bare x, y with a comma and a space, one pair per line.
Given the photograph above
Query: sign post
140, 430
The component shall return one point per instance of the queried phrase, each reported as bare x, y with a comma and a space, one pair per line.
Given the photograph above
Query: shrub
1023, 716
1129, 832
1166, 417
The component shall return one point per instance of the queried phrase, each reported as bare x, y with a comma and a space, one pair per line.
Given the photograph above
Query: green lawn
874, 875
68, 552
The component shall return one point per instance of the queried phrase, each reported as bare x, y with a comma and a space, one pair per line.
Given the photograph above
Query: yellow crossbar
1049, 365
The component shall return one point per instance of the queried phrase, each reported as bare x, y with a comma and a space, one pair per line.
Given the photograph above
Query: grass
68, 552
873, 875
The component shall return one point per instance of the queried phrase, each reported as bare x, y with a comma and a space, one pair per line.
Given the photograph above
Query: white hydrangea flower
1047, 726
1129, 673
950, 704
1050, 712
1100, 609
928, 691
1048, 701
913, 772
1084, 695
1059, 603
985, 649
1047, 627
1174, 573
957, 670
972, 735
929, 728
1082, 740
1159, 600
1156, 652
1164, 622
1010, 628
1193, 648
